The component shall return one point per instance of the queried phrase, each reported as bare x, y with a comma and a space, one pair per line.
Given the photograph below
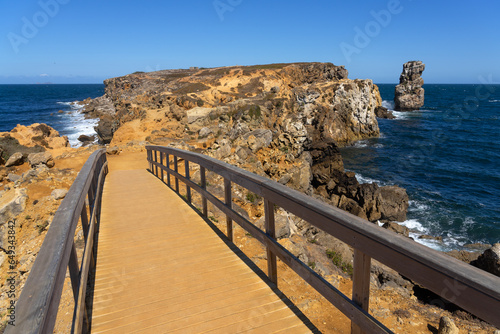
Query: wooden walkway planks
161, 269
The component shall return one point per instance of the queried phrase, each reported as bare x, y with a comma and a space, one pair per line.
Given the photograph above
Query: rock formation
409, 94
489, 260
280, 120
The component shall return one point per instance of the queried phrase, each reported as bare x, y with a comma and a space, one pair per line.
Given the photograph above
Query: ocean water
447, 156
28, 104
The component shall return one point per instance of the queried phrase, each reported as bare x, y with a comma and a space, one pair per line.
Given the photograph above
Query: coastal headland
282, 121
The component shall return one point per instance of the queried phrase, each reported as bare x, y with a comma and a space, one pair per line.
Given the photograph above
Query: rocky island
282, 121
409, 94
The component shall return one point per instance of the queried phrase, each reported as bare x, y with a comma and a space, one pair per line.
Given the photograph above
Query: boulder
350, 205
395, 227
382, 112
85, 138
204, 132
393, 203
59, 193
489, 260
15, 159
2, 161
447, 326
106, 128
409, 94
258, 139
368, 198
13, 177
43, 158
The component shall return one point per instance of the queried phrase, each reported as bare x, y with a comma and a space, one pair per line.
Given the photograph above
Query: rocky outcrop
318, 95
38, 134
409, 94
489, 260
43, 158
382, 112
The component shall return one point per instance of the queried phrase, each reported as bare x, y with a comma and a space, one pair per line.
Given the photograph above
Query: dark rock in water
409, 94
85, 138
489, 260
393, 203
106, 128
395, 227
382, 112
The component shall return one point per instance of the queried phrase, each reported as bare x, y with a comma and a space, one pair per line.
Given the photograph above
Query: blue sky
76, 41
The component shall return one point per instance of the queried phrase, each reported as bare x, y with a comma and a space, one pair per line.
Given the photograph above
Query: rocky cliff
409, 94
284, 121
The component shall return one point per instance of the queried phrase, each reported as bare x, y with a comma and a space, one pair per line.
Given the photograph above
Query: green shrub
337, 261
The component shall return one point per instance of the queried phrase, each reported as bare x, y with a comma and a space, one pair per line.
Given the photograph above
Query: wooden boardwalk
161, 268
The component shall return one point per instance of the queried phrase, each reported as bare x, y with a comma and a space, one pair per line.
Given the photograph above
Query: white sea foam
364, 179
77, 123
388, 104
494, 101
361, 144
418, 206
415, 226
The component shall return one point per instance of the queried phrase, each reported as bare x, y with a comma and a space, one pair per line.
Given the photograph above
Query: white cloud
44, 75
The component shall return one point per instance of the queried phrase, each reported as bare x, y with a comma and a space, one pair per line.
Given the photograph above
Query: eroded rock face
409, 94
489, 260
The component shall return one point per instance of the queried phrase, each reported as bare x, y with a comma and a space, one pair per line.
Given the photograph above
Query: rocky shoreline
282, 121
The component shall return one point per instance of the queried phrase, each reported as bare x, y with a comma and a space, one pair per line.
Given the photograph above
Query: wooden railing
466, 286
36, 309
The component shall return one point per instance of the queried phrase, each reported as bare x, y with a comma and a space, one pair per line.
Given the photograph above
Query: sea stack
409, 94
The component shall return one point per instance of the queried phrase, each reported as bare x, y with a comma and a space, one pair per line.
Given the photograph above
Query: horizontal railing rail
466, 286
36, 309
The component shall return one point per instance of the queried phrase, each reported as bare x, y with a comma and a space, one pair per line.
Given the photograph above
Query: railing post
272, 270
74, 272
186, 173
161, 169
167, 157
361, 284
176, 169
156, 161
204, 186
85, 221
227, 197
